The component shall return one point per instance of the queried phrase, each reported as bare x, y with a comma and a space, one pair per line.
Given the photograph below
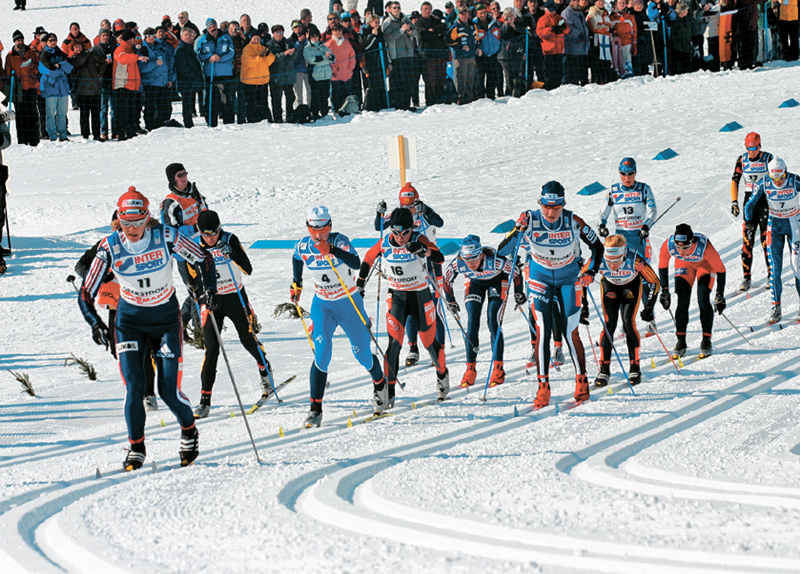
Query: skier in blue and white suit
550, 234
140, 254
331, 306
782, 190
634, 208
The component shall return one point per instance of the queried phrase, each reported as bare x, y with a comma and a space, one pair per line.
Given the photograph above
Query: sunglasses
134, 223
401, 232
627, 173
327, 226
753, 148
209, 233
777, 177
683, 246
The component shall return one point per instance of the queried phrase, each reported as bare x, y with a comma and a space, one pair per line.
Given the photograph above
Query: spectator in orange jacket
625, 31
75, 36
342, 67
126, 83
254, 75
551, 29
22, 63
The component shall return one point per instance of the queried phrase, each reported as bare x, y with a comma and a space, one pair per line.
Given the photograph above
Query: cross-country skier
782, 192
224, 246
752, 167
141, 254
331, 307
624, 272
6, 116
550, 234
486, 277
634, 207
695, 258
180, 209
426, 221
405, 253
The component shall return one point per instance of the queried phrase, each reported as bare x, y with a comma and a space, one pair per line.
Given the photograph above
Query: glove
294, 293
100, 334
719, 303
454, 308
360, 283
647, 314
381, 207
602, 230
665, 299
224, 247
416, 248
421, 207
644, 232
520, 298
318, 59
735, 208
523, 221
587, 278
211, 300
323, 247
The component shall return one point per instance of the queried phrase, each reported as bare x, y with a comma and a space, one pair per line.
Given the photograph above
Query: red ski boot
543, 395
581, 388
469, 376
498, 374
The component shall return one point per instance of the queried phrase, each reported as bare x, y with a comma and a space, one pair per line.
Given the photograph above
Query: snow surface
696, 473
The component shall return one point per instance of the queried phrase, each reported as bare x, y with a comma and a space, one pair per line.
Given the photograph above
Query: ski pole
591, 344
663, 213
210, 93
660, 340
233, 382
737, 330
8, 228
378, 302
501, 314
610, 340
71, 281
258, 343
674, 322
374, 340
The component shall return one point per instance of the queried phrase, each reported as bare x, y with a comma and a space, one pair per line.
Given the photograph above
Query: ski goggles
777, 176
210, 232
753, 147
318, 226
397, 230
134, 222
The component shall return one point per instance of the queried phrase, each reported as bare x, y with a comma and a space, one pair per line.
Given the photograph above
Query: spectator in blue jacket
490, 72
216, 52
462, 41
576, 44
54, 88
155, 81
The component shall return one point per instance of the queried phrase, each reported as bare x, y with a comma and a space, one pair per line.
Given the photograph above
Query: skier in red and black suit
695, 257
405, 253
752, 167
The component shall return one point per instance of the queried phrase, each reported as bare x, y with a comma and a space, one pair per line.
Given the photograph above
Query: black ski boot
135, 458
635, 375
680, 347
705, 347
189, 450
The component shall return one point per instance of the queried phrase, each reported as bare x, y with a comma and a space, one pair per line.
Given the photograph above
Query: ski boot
443, 384
584, 313
413, 356
150, 403
680, 347
266, 387
705, 347
635, 374
542, 395
380, 397
391, 395
135, 458
469, 376
202, 411
558, 355
745, 285
314, 419
189, 449
602, 377
581, 388
776, 315
498, 374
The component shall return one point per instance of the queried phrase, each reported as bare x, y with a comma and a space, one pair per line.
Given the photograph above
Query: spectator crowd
125, 81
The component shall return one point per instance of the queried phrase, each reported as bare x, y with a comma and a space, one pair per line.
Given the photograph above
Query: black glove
735, 208
719, 303
224, 247
416, 247
381, 207
644, 232
360, 283
211, 300
665, 299
520, 298
602, 230
421, 207
318, 59
100, 335
454, 308
647, 314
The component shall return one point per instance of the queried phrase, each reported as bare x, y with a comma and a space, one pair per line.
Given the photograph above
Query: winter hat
344, 15
550, 5
39, 31
318, 217
210, 21
208, 222
17, 35
552, 194
132, 205
277, 28
172, 169
470, 247
438, 14
401, 219
104, 31
126, 35
119, 24
683, 235
298, 24
408, 195
149, 32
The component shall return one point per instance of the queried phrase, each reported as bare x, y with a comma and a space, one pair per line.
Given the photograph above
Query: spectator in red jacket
22, 63
625, 32
126, 84
551, 29
342, 67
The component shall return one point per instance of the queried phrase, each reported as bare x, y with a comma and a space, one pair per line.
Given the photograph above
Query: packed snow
698, 472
